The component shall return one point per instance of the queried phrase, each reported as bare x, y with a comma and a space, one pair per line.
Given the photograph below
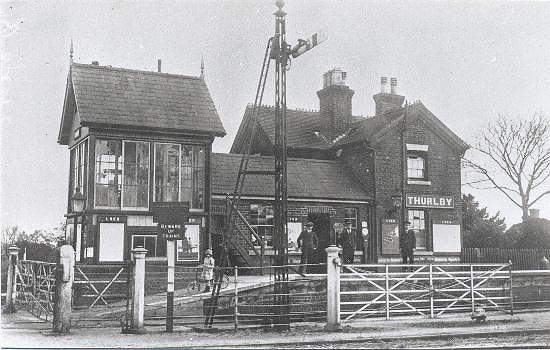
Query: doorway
322, 228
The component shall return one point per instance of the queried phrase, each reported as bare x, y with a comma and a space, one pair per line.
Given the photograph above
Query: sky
467, 61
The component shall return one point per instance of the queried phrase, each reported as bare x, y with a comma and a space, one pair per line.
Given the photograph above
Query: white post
11, 286
64, 278
138, 298
333, 289
171, 254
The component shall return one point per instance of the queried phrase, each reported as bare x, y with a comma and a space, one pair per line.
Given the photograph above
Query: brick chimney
385, 101
335, 104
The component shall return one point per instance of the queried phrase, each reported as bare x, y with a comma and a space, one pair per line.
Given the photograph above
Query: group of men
345, 238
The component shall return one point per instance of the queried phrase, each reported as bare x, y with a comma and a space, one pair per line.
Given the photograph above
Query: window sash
261, 219
109, 166
131, 170
188, 168
418, 220
147, 242
416, 165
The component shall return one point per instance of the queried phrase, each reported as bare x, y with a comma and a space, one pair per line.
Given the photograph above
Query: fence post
64, 277
11, 286
431, 292
138, 297
236, 291
472, 297
387, 286
333, 289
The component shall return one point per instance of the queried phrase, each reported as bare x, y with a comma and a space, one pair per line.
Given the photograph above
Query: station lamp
78, 201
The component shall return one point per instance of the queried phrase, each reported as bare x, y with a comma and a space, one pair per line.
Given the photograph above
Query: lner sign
422, 201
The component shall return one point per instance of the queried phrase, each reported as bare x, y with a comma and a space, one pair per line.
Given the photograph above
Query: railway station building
141, 156
371, 173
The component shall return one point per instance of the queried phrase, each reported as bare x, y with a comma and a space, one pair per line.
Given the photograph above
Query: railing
428, 290
521, 258
35, 284
246, 299
239, 217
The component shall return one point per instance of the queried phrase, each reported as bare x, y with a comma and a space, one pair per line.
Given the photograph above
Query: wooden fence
521, 258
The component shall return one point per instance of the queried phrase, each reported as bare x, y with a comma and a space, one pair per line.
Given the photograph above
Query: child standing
208, 264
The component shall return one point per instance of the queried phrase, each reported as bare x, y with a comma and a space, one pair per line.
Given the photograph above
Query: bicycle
199, 285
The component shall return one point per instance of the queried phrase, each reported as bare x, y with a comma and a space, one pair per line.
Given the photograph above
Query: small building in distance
140, 154
371, 173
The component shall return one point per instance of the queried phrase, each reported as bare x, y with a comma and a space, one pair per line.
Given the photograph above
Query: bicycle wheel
225, 281
193, 287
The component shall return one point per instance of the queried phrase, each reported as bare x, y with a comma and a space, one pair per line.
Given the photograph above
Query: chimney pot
393, 85
384, 85
95, 63
159, 65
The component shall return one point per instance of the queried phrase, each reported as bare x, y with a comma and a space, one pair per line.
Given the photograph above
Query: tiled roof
301, 125
107, 95
307, 178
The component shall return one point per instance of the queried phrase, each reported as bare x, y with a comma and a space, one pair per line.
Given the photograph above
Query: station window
416, 165
418, 219
261, 219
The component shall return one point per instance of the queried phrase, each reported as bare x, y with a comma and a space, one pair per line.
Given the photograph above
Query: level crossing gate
429, 290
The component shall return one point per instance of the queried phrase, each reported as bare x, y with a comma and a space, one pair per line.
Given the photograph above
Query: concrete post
138, 298
11, 285
333, 288
63, 299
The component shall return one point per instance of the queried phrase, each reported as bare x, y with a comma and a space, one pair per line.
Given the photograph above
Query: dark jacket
407, 242
347, 239
307, 239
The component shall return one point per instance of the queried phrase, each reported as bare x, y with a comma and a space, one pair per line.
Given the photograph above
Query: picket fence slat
521, 258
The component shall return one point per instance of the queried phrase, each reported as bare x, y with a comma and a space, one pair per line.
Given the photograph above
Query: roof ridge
273, 157
93, 66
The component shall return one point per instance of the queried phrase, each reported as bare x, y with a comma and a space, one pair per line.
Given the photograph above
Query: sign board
171, 232
111, 219
170, 212
187, 248
446, 237
422, 201
390, 236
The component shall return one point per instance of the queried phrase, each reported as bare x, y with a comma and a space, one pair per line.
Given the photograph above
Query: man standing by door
347, 242
308, 242
407, 244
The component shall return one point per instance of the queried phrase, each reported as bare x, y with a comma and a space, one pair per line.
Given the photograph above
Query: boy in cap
308, 242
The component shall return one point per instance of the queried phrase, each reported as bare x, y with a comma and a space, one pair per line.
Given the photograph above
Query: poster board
294, 230
446, 237
188, 248
390, 236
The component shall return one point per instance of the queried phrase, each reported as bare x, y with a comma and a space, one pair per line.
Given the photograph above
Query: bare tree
513, 156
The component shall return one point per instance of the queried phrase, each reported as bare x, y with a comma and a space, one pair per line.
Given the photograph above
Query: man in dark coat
347, 242
307, 240
407, 244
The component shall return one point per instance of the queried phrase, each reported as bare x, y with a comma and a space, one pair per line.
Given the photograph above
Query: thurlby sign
171, 231
422, 201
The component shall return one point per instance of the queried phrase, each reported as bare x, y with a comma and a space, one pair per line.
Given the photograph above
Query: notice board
390, 236
187, 248
446, 237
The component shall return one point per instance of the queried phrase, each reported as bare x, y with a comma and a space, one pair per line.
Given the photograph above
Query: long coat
407, 242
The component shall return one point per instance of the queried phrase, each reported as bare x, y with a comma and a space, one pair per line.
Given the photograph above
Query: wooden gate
101, 293
429, 290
